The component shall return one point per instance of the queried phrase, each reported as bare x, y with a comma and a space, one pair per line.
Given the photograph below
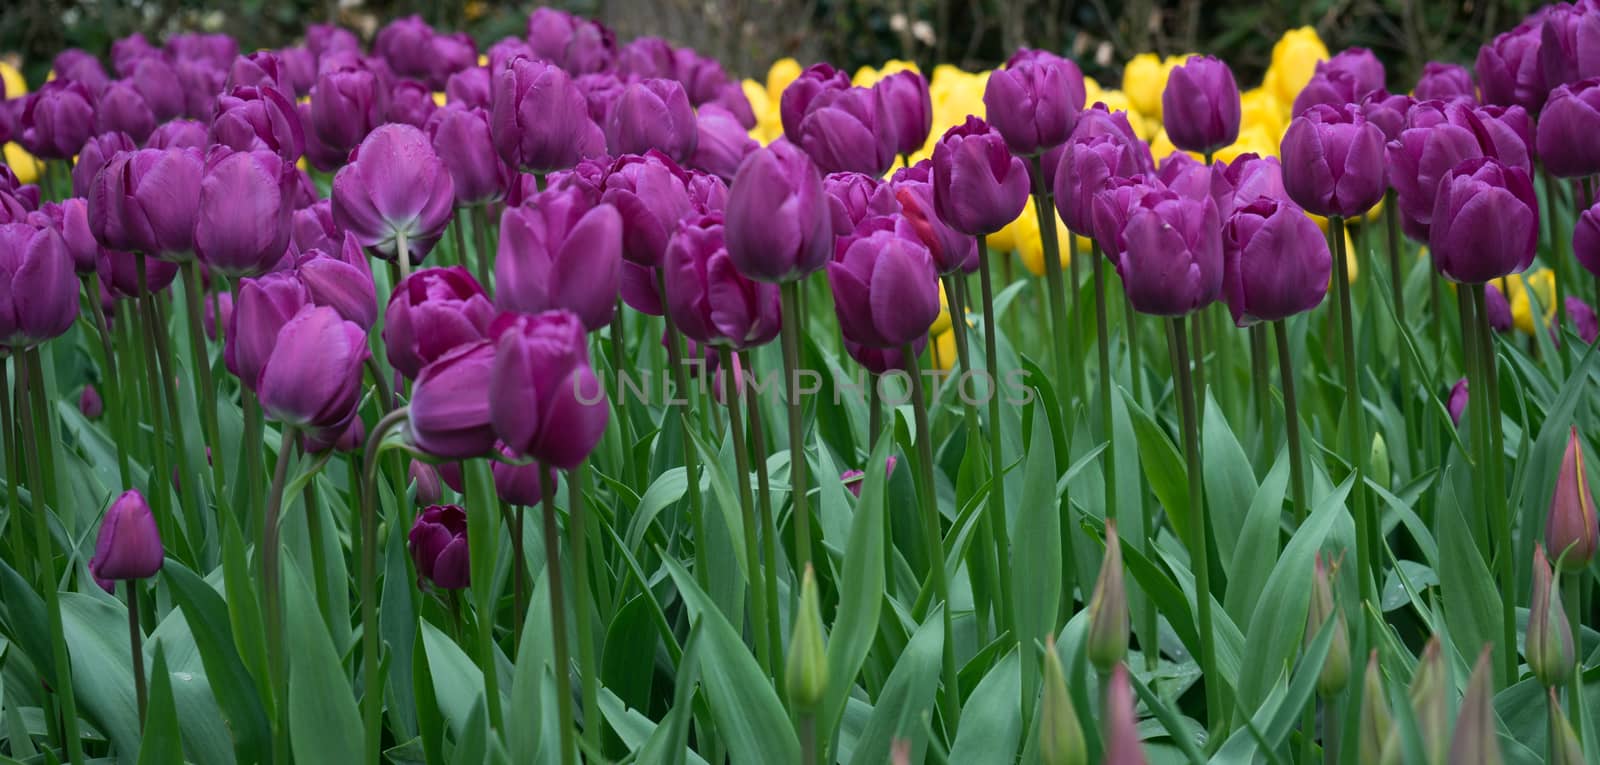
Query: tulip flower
70, 219
540, 120
1569, 44
519, 484
438, 545
779, 225
312, 228
200, 82
1122, 738
347, 103
708, 299
250, 118
90, 405
426, 480
978, 187
647, 56
242, 227
410, 103
1060, 734
1387, 111
1584, 321
1443, 81
1107, 641
1567, 127
264, 305
1244, 179
1427, 694
1586, 239
952, 251
1485, 221
94, 155
905, 110
559, 251
1201, 105
431, 312
148, 201
1034, 101
1144, 80
885, 289
723, 142
119, 274
806, 666
1333, 161
651, 194
38, 294
795, 102
312, 378
845, 130
653, 114
1496, 309
450, 403
260, 69
127, 52
471, 88
853, 197
395, 195
1276, 262
1476, 738
214, 48
173, 134
1549, 644
342, 280
544, 399
1458, 400
884, 360
1167, 248
1509, 70
461, 138
1335, 672
852, 479
578, 44
1569, 530
122, 108
57, 119
128, 545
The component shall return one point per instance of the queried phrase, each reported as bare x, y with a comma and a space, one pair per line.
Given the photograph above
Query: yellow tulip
944, 349
1144, 78
1294, 60
27, 168
1030, 246
1252, 140
867, 76
769, 121
439, 98
16, 84
1542, 282
1259, 108
483, 60
942, 322
782, 72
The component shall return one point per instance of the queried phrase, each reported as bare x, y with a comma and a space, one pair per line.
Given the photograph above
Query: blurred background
747, 35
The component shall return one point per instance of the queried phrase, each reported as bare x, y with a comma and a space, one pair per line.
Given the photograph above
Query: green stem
1368, 565
1479, 433
1291, 422
519, 570
156, 327
1494, 471
110, 382
459, 221
1331, 731
13, 465
1258, 378
278, 667
792, 318
315, 537
593, 721
205, 392
157, 483
135, 647
985, 568
558, 620
485, 257
691, 460
1216, 705
402, 254
732, 396
1044, 209
1103, 339
769, 537
997, 516
372, 680
1572, 585
619, 353
874, 412
1391, 220
949, 699
806, 730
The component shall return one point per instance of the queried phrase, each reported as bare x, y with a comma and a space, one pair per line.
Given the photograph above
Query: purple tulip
38, 294
147, 201
426, 479
1363, 67
734, 100
312, 378
121, 108
438, 545
1509, 70
347, 103
1584, 321
57, 119
410, 103
1275, 264
96, 151
119, 273
651, 193
431, 312
978, 187
1439, 137
846, 130
647, 56
219, 315
299, 69
70, 219
723, 142
242, 227
795, 103
707, 192
544, 398
951, 250
461, 138
1387, 111
127, 52
1570, 529
394, 190
259, 69
471, 87
1187, 176
251, 118
853, 479
450, 403
1237, 183
1586, 240
1569, 44
78, 65
779, 227
578, 45
853, 197
1457, 402
703, 78
653, 114
128, 545
173, 134
884, 360
557, 250
1496, 309
1567, 130
709, 300
519, 484
406, 45
1443, 81
1086, 165
90, 405
264, 306
1034, 101
905, 110
216, 49
1168, 248
312, 228
540, 120
1201, 105
885, 290
200, 82
1333, 161
508, 48
157, 82
322, 39
342, 280
1485, 221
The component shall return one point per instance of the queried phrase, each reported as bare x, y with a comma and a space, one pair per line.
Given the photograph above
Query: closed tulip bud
450, 403
1335, 672
806, 668
723, 142
1276, 262
709, 300
1107, 643
1170, 253
265, 305
1549, 644
394, 189
1060, 735
651, 194
1387, 111
1444, 81
885, 290
1586, 240
1201, 105
57, 119
559, 251
129, 543
854, 197
540, 119
431, 312
438, 545
410, 103
96, 152
952, 251
1034, 101
313, 375
38, 294
148, 201
122, 108
884, 360
246, 200
175, 134
1570, 530
544, 398
653, 114
1421, 156
519, 484
1509, 71
1376, 720
798, 96
1086, 165
1567, 128
1569, 43
1476, 742
1122, 739
405, 44
341, 280
426, 478
906, 110
1457, 402
779, 227
978, 187
1333, 161
844, 130
1379, 460
90, 405
259, 118
200, 82
852, 479
312, 228
1565, 747
471, 88
1496, 309
646, 57
1485, 222
461, 138
1242, 181
1427, 693
347, 103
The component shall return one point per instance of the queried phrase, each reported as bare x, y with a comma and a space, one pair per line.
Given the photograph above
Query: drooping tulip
540, 120
438, 545
558, 250
1275, 264
461, 138
1201, 105
1034, 101
544, 398
313, 376
246, 198
56, 119
978, 187
885, 290
38, 294
1333, 161
1485, 221
148, 201
431, 312
1569, 530
450, 403
395, 192
128, 545
779, 226
1567, 128
708, 299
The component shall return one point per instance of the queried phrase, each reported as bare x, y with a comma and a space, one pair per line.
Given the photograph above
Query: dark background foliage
747, 35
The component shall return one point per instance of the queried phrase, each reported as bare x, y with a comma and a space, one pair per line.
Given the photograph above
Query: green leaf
861, 592
1257, 546
323, 719
1036, 538
907, 697
1163, 467
207, 615
1230, 480
991, 720
162, 743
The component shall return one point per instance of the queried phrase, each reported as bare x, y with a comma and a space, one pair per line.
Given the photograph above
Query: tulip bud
709, 300
1107, 643
1034, 101
653, 114
1201, 105
313, 376
557, 251
121, 108
1379, 460
885, 269
56, 119
1428, 683
1569, 530
540, 120
795, 103
544, 399
1485, 222
147, 202
1376, 721
1122, 739
1060, 735
1458, 400
1584, 320
246, 200
394, 188
172, 134
347, 103
1567, 125
1086, 165
450, 403
426, 479
806, 668
96, 152
1442, 81
1496, 309
844, 130
1549, 645
1565, 748
265, 305
978, 187
1508, 69
1335, 672
1276, 262
1475, 740
129, 543
779, 227
651, 194
1333, 161
431, 312
438, 544
89, 403
952, 251
38, 294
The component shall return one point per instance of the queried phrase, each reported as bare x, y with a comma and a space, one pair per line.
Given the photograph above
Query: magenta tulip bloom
951, 250
1200, 106
519, 484
128, 545
265, 304
846, 131
312, 228
1387, 111
94, 155
540, 120
559, 251
1509, 71
1568, 128
215, 48
1585, 322
1085, 167
906, 110
978, 187
853, 197
57, 119
461, 138
122, 108
884, 360
651, 193
431, 312
347, 103
450, 403
1586, 240
251, 118
1485, 222
438, 545
313, 376
90, 405
176, 134
342, 280
885, 290
795, 103
1569, 43
1034, 101
653, 114
38, 294
1333, 161
544, 398
779, 227
1457, 403
148, 201
1276, 262
1496, 309
119, 274
246, 199
723, 142
1439, 137
471, 87
1443, 81
394, 190
1168, 248
410, 103
575, 43
1248, 176
647, 56
708, 299
70, 219
127, 52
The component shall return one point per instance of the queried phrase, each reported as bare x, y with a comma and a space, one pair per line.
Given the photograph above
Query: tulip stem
985, 568
205, 394
1216, 704
372, 692
135, 646
997, 516
110, 383
732, 396
1493, 469
42, 496
558, 618
1570, 598
402, 253
1291, 421
1391, 221
769, 537
485, 262
1368, 567
156, 328
1103, 340
158, 482
790, 332
577, 539
13, 465
874, 412
691, 461
1259, 352
271, 559
1044, 209
619, 352
949, 699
